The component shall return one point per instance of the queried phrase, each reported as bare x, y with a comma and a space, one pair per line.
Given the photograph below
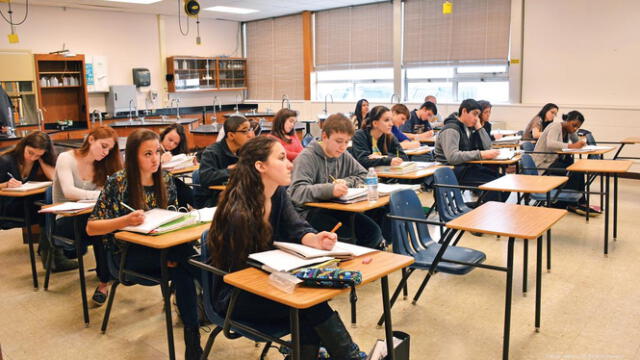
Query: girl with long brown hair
143, 185
284, 130
375, 145
81, 175
253, 212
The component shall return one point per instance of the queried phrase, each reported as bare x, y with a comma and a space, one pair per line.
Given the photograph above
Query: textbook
588, 148
353, 195
340, 250
180, 161
505, 154
386, 189
194, 217
69, 207
278, 260
30, 185
153, 219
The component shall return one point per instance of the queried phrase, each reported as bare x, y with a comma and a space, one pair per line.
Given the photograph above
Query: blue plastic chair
307, 139
258, 331
411, 237
527, 146
449, 200
528, 167
54, 240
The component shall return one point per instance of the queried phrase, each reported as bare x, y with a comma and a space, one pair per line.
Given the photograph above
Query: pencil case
328, 277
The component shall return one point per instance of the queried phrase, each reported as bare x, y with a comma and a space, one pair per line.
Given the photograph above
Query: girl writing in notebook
80, 174
143, 185
253, 212
375, 145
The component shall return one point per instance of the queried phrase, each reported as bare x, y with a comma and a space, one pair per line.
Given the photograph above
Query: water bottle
372, 185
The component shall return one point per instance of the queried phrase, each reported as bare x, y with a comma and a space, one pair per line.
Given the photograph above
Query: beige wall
127, 40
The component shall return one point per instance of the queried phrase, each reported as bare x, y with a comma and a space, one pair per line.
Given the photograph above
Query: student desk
512, 221
25, 196
163, 243
77, 242
357, 207
630, 140
413, 175
255, 281
588, 152
502, 164
497, 145
186, 170
429, 141
606, 168
423, 150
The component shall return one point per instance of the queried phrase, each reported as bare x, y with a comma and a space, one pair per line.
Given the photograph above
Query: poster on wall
96, 73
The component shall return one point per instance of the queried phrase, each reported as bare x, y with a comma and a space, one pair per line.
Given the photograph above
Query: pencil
333, 179
127, 206
335, 228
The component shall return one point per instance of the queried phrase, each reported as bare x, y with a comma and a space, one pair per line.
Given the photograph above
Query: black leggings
366, 231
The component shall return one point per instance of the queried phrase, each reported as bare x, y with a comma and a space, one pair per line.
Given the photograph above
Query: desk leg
294, 319
588, 186
538, 281
549, 237
32, 256
388, 330
618, 152
615, 206
164, 286
525, 266
83, 285
507, 301
606, 216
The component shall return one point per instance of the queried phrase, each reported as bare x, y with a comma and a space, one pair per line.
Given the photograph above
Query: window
352, 85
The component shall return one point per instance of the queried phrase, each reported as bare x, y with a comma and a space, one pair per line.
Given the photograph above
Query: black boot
309, 352
193, 350
59, 262
336, 339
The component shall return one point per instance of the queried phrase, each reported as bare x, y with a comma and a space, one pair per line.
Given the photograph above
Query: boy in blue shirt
399, 115
418, 127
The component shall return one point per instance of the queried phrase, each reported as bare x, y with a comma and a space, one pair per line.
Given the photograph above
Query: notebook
70, 207
505, 154
386, 189
418, 149
30, 185
404, 166
153, 219
588, 148
278, 260
180, 161
508, 139
353, 195
340, 250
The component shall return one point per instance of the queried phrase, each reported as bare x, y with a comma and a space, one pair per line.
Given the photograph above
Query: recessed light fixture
143, 2
231, 10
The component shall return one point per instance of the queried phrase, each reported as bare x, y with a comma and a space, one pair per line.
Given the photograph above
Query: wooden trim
307, 51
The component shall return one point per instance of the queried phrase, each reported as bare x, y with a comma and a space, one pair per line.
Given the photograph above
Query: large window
351, 85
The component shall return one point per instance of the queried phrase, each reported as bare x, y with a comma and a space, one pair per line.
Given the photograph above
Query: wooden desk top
600, 166
416, 152
511, 161
589, 152
186, 170
69, 214
430, 141
23, 193
218, 187
525, 183
499, 146
358, 207
165, 240
631, 140
509, 220
255, 281
418, 174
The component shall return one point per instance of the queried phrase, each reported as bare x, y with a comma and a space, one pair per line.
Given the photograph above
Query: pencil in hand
335, 228
333, 180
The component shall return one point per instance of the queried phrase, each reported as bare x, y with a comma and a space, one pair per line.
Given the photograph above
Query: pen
335, 228
332, 179
397, 153
127, 206
162, 147
10, 175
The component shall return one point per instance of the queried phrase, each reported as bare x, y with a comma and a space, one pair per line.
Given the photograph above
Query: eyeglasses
244, 131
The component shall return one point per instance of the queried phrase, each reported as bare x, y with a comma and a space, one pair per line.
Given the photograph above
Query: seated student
253, 213
220, 157
418, 127
539, 123
399, 115
173, 141
143, 185
437, 121
360, 114
32, 159
80, 175
6, 109
284, 130
375, 145
558, 136
464, 139
485, 115
323, 171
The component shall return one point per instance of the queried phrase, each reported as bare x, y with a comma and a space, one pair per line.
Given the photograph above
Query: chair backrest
449, 201
49, 219
307, 139
407, 236
590, 141
527, 165
207, 284
195, 177
527, 146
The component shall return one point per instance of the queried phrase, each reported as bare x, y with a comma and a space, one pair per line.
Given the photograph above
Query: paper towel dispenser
141, 77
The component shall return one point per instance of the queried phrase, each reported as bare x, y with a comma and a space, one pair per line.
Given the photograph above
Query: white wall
127, 40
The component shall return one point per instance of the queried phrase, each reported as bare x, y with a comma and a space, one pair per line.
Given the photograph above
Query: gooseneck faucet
285, 98
325, 103
132, 105
238, 97
395, 96
177, 102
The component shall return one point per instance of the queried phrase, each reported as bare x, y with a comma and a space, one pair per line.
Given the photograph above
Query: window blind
476, 31
354, 37
275, 58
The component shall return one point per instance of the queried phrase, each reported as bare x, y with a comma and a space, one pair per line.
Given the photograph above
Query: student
173, 141
463, 139
485, 115
80, 175
418, 127
536, 126
324, 171
284, 130
360, 114
437, 121
558, 136
254, 212
143, 185
399, 115
220, 157
6, 110
375, 145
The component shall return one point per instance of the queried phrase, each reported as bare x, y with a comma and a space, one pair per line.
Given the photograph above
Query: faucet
214, 117
285, 98
132, 105
177, 101
41, 119
325, 103
395, 96
95, 114
237, 112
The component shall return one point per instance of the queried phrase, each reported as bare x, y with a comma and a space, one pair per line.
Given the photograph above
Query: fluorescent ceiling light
145, 2
232, 10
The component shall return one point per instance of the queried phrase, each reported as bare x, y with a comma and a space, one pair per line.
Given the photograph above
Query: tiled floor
591, 306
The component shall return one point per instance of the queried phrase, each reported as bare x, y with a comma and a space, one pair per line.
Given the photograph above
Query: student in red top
283, 129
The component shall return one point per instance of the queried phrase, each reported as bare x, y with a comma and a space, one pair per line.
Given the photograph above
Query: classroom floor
590, 305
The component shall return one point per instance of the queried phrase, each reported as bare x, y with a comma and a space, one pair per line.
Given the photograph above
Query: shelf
61, 87
59, 72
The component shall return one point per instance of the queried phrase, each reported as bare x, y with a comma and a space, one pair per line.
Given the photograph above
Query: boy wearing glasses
220, 157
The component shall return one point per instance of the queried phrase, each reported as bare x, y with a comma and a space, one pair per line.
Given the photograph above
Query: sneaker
99, 298
581, 209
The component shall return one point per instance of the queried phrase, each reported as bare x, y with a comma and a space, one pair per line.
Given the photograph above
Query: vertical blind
476, 31
354, 37
275, 58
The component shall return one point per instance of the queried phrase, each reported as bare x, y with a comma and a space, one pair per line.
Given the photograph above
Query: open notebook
513, 139
506, 154
30, 185
278, 260
153, 219
340, 250
180, 161
353, 195
417, 150
69, 207
588, 148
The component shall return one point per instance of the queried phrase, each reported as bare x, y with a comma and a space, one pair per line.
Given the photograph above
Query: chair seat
565, 196
424, 259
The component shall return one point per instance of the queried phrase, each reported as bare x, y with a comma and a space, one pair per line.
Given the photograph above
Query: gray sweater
551, 140
447, 148
310, 180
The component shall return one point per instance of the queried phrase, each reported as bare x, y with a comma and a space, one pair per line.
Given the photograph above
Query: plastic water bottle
372, 185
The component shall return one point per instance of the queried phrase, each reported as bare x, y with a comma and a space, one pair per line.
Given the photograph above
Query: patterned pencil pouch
328, 277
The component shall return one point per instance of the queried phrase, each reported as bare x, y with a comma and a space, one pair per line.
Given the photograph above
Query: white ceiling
267, 8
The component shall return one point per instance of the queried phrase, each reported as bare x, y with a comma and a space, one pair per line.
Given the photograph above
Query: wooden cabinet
62, 89
23, 99
206, 74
